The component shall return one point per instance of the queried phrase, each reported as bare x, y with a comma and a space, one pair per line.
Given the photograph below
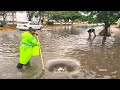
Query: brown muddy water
98, 57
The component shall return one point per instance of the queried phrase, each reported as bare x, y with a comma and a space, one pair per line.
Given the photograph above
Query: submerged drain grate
63, 66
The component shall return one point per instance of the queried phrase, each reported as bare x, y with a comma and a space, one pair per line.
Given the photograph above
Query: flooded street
98, 57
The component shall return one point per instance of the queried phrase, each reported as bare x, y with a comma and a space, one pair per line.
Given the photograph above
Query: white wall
21, 16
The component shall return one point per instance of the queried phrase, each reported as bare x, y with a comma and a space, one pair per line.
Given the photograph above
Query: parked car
27, 25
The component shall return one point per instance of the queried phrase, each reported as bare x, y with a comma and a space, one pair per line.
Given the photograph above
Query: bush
76, 20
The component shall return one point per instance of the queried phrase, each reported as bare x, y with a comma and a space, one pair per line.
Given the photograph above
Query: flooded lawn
98, 57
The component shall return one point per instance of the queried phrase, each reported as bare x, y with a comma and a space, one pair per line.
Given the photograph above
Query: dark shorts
91, 30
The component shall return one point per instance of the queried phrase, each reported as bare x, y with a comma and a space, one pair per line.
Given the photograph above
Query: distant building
21, 16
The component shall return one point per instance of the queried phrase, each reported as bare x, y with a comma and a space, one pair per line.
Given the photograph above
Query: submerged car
28, 24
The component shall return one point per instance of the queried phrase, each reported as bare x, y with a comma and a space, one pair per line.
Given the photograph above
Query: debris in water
102, 69
61, 69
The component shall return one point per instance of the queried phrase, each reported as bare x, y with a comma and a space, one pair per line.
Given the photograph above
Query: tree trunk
29, 18
72, 22
103, 41
106, 29
13, 17
29, 15
4, 17
39, 21
118, 25
42, 21
105, 32
65, 21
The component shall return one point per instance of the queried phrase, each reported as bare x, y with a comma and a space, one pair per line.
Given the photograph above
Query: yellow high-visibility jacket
27, 44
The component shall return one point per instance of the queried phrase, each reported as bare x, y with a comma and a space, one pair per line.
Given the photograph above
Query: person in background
91, 31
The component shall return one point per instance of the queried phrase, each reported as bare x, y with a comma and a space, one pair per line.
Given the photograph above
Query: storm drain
62, 65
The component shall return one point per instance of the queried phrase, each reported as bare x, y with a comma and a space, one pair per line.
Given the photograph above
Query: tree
65, 15
40, 14
13, 12
106, 17
3, 14
30, 14
73, 15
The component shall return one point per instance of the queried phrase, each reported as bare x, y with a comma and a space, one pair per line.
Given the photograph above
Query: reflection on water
91, 39
98, 56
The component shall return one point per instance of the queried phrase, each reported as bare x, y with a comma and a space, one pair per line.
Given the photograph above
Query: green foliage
39, 13
66, 15
106, 17
109, 17
30, 14
76, 20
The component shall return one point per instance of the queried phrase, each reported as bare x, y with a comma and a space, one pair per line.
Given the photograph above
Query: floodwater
98, 57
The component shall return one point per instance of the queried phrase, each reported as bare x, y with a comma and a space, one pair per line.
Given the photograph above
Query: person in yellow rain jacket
27, 44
